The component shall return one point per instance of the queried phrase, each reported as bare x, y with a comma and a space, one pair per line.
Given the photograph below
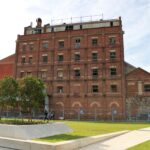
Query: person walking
45, 115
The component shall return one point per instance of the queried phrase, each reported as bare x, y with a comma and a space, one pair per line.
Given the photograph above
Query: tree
8, 92
31, 94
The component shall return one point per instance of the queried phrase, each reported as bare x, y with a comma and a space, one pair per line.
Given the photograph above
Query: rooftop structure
71, 26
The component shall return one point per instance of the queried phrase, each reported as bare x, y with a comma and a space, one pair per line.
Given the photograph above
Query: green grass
83, 129
142, 146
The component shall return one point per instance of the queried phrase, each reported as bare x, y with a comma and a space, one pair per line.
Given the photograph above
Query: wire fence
78, 114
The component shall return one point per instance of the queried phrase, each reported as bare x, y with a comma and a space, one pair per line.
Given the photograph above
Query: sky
135, 14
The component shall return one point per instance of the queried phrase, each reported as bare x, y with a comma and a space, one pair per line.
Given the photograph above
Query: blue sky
17, 14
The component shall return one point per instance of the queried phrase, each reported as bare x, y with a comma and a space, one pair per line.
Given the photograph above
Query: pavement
5, 148
122, 142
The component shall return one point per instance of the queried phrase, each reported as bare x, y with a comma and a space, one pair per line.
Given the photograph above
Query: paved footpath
5, 148
122, 142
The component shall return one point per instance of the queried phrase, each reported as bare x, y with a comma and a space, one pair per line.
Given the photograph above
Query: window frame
77, 43
24, 48
60, 89
60, 74
95, 88
113, 71
94, 41
146, 89
95, 70
30, 59
23, 60
94, 58
77, 73
45, 59
61, 44
112, 40
22, 74
60, 58
113, 88
112, 56
31, 47
45, 45
77, 57
43, 74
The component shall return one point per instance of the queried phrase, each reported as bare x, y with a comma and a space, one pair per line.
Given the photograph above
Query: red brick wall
78, 91
133, 79
7, 66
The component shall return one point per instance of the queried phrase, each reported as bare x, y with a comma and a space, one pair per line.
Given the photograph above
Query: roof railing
73, 20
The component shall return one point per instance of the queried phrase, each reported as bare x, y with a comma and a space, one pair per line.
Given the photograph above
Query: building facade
82, 65
138, 93
7, 66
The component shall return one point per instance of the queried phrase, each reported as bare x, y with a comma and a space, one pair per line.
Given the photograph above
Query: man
46, 115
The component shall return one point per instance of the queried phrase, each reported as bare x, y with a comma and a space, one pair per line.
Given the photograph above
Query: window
112, 41
60, 89
94, 56
69, 27
23, 60
60, 74
31, 47
22, 74
77, 43
44, 59
77, 57
113, 88
95, 88
147, 88
30, 60
112, 55
94, 42
77, 72
24, 48
43, 74
113, 71
95, 72
45, 45
60, 57
61, 44
29, 73
38, 31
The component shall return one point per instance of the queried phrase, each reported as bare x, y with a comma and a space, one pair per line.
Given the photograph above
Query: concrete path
122, 142
1, 148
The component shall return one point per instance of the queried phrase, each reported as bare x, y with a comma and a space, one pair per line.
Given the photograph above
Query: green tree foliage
8, 92
31, 93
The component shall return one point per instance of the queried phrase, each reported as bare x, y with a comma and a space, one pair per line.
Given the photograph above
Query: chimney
39, 22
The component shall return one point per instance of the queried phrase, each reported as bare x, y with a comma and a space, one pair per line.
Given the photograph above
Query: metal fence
78, 114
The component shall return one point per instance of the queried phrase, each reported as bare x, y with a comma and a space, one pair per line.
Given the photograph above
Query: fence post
95, 117
63, 115
79, 114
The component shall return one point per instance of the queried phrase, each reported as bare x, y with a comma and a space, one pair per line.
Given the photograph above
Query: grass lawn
142, 146
84, 129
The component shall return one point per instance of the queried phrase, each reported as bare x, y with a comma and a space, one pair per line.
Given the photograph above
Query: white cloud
17, 14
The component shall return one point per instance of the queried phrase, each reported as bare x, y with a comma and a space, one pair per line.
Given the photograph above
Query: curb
66, 145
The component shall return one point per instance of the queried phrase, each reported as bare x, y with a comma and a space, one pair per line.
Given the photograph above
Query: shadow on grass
62, 137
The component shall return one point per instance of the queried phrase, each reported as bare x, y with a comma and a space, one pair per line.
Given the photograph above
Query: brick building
138, 92
83, 67
7, 66
81, 63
